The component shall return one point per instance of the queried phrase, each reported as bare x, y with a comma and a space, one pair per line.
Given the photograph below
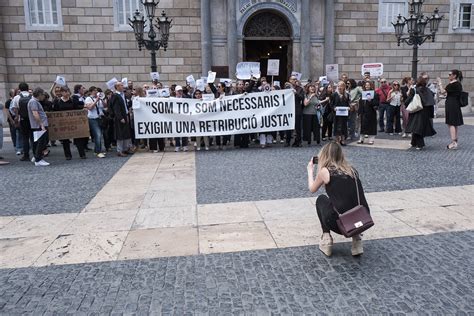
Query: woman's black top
61, 105
342, 191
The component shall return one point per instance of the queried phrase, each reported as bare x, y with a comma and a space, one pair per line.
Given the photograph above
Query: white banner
241, 114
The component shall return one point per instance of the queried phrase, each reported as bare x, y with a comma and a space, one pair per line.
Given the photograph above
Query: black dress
340, 122
453, 106
342, 195
368, 115
420, 123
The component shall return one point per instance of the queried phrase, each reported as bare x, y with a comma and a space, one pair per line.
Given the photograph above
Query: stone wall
358, 42
89, 51
3, 65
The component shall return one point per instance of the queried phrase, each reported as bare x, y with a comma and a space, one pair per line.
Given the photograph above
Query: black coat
420, 122
368, 115
453, 105
117, 104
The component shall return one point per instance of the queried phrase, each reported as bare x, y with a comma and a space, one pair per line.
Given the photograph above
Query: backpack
464, 99
23, 106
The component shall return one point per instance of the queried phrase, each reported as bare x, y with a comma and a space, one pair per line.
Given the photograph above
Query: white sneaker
198, 148
185, 148
18, 153
100, 155
176, 149
325, 244
207, 148
404, 135
155, 151
41, 163
357, 248
33, 159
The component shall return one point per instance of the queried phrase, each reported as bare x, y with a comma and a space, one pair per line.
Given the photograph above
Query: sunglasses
450, 74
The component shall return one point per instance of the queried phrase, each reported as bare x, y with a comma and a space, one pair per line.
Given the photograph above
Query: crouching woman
339, 179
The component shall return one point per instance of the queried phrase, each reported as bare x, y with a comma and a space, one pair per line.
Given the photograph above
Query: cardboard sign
332, 72
368, 95
68, 124
297, 75
375, 69
60, 81
273, 67
245, 70
154, 76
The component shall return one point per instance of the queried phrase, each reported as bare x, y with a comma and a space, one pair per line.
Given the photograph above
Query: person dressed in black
299, 100
368, 114
341, 101
119, 108
454, 117
339, 179
65, 103
326, 98
420, 124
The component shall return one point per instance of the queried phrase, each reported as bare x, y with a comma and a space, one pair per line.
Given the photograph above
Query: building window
123, 10
461, 16
388, 12
43, 15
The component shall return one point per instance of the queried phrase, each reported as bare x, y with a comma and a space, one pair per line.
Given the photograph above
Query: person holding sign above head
368, 105
118, 104
341, 104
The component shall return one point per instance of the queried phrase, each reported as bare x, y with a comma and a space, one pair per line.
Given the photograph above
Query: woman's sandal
360, 142
453, 145
371, 143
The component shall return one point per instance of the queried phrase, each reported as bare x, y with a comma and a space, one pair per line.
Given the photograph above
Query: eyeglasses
383, 81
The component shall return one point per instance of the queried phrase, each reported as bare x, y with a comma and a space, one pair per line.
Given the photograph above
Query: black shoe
87, 149
295, 144
68, 158
25, 158
287, 144
83, 157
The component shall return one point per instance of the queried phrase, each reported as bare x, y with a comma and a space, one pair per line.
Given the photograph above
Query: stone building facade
90, 44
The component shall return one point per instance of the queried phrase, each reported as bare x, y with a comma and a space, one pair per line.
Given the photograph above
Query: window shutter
455, 17
472, 17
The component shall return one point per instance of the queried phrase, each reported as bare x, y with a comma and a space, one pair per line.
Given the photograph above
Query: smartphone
315, 160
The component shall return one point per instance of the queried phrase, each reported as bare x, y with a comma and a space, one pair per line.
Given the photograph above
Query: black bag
23, 106
464, 98
356, 220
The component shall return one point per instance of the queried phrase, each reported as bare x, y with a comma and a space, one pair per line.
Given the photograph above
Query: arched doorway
267, 35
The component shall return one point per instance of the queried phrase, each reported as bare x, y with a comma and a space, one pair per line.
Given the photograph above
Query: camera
315, 160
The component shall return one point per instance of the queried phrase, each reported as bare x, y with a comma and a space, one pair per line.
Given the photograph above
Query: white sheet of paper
191, 81
245, 70
207, 97
125, 82
296, 74
211, 76
135, 104
276, 83
165, 92
60, 81
37, 135
111, 83
154, 76
367, 94
342, 111
332, 72
226, 81
200, 85
273, 68
153, 93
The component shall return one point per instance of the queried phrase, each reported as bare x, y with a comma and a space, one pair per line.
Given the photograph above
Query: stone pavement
237, 232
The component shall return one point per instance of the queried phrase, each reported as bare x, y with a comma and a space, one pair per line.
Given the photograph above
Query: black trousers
298, 126
327, 127
311, 128
417, 140
222, 140
80, 144
393, 114
156, 143
327, 215
40, 145
27, 134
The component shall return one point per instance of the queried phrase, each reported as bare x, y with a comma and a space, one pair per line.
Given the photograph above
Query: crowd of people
347, 110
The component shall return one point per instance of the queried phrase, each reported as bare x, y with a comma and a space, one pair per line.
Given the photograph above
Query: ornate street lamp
163, 26
416, 24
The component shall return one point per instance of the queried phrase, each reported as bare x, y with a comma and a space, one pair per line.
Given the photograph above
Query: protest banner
245, 70
375, 69
332, 72
68, 124
273, 68
251, 113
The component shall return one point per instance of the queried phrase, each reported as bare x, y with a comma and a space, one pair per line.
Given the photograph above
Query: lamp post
162, 24
416, 25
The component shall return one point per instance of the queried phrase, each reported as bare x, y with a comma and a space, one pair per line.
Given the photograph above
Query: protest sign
165, 92
68, 124
200, 85
208, 97
153, 93
332, 72
154, 76
190, 80
276, 83
368, 95
226, 81
273, 67
111, 83
251, 113
296, 74
125, 82
245, 70
60, 81
342, 111
375, 69
211, 77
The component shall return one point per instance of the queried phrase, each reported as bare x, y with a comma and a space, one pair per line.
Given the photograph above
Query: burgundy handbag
356, 220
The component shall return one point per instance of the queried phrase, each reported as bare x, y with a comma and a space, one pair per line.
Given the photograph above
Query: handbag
464, 99
356, 220
415, 105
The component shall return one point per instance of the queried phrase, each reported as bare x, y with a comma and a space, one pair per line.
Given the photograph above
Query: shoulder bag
415, 104
356, 220
464, 99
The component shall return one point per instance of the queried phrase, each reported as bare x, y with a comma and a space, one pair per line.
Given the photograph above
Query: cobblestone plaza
236, 232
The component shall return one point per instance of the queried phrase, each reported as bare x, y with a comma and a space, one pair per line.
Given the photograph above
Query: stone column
329, 31
231, 37
305, 52
206, 36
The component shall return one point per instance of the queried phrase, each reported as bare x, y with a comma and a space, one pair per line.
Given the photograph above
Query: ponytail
458, 74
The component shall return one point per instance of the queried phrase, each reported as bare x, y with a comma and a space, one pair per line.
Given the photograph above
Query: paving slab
83, 248
293, 233
22, 252
108, 221
160, 242
5, 220
287, 209
36, 225
160, 217
221, 213
234, 237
